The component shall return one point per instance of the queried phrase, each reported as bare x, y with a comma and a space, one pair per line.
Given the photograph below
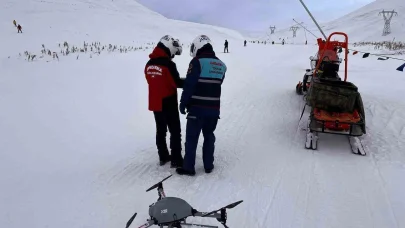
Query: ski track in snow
78, 148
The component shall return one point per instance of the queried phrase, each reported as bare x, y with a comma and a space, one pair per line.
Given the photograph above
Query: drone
172, 212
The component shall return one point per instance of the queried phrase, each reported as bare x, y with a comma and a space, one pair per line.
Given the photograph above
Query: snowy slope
124, 22
363, 24
77, 143
78, 147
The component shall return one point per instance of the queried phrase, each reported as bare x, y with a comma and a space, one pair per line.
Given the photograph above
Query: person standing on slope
245, 43
19, 28
201, 97
15, 23
226, 46
163, 80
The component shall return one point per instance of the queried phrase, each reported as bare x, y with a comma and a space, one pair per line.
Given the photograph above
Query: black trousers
168, 118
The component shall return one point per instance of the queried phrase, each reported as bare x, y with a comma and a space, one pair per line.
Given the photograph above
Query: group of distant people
18, 26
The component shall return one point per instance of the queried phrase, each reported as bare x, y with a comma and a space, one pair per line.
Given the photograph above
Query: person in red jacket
163, 80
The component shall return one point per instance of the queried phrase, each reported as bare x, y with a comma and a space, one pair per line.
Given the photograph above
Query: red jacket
163, 79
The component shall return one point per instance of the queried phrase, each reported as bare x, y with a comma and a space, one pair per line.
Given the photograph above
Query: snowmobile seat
329, 69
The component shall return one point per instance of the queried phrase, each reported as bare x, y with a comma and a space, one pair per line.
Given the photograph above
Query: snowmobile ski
312, 138
357, 146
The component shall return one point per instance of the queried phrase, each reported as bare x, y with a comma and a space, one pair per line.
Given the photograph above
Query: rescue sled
336, 105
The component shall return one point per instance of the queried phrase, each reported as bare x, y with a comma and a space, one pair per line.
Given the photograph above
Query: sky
252, 15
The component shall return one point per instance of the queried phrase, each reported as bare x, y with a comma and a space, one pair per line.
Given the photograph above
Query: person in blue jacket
201, 97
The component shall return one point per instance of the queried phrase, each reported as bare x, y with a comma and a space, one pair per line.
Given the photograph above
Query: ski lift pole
316, 23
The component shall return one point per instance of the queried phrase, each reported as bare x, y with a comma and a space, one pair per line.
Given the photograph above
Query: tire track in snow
281, 176
385, 140
273, 102
257, 179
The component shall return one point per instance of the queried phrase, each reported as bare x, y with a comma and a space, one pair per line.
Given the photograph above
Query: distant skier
15, 23
201, 97
245, 43
283, 42
163, 80
226, 46
19, 28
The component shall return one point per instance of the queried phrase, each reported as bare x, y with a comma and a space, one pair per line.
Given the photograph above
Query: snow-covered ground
77, 143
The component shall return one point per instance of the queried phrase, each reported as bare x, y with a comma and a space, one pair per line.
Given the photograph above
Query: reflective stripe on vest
209, 81
206, 98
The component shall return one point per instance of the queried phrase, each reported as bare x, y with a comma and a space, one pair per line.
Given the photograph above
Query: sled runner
172, 212
336, 105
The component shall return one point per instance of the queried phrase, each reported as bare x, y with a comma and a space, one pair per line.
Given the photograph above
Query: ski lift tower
294, 29
272, 29
387, 20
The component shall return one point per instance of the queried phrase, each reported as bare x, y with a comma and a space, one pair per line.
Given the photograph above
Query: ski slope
363, 24
77, 143
124, 22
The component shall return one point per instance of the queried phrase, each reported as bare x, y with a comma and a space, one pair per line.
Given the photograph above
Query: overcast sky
251, 15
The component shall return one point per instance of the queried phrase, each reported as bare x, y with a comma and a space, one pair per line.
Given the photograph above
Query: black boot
176, 163
209, 170
164, 160
182, 171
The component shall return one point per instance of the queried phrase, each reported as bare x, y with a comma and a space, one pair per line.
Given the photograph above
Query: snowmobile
172, 212
336, 105
302, 87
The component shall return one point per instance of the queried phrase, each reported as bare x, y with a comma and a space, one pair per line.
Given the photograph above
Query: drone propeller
158, 184
230, 206
130, 220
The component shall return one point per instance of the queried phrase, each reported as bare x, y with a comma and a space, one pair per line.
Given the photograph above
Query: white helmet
198, 43
172, 44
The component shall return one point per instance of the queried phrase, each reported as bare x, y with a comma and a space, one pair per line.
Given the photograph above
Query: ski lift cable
305, 28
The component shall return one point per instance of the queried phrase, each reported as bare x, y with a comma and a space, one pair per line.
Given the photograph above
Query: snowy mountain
124, 22
363, 24
77, 142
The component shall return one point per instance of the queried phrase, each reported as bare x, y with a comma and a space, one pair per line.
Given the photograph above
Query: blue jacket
202, 86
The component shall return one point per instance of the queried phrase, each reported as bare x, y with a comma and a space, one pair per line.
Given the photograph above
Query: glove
182, 109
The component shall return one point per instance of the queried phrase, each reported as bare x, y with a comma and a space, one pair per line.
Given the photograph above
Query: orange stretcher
337, 121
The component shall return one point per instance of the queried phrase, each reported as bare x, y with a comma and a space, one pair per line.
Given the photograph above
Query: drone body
172, 212
170, 209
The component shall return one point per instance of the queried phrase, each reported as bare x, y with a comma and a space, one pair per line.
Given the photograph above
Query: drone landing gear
183, 224
198, 225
